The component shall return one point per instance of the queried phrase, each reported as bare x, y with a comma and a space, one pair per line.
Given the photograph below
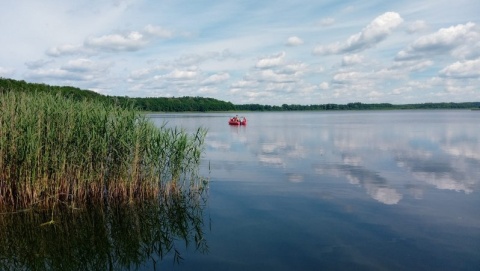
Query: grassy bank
54, 149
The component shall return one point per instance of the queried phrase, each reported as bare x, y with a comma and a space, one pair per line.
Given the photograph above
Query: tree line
201, 104
357, 106
157, 104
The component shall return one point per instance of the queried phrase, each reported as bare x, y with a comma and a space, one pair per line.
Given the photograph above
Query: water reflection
375, 185
343, 191
443, 174
389, 154
127, 237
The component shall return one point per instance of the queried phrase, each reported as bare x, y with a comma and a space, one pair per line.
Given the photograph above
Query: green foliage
54, 149
159, 104
355, 106
201, 104
77, 94
183, 104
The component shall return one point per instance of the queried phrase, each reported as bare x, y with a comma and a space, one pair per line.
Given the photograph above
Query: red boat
237, 121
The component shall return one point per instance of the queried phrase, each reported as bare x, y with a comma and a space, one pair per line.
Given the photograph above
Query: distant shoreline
205, 104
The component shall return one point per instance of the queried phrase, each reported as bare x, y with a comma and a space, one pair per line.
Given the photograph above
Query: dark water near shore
377, 190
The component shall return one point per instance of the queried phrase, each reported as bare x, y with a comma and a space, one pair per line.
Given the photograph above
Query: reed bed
56, 150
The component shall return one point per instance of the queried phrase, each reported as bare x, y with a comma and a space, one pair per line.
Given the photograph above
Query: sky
249, 51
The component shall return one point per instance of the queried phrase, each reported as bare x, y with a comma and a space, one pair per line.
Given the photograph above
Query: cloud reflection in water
391, 155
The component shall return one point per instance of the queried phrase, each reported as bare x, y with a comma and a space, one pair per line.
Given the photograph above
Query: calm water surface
379, 190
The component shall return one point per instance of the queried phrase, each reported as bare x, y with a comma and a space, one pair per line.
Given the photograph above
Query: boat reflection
130, 236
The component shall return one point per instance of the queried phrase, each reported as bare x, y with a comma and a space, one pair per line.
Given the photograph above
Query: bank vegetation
55, 149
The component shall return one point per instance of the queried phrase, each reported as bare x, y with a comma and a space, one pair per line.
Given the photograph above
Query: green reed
54, 149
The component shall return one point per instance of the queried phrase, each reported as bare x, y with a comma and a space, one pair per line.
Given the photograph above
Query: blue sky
267, 52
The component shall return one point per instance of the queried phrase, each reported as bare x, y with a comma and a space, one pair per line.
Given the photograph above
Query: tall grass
53, 149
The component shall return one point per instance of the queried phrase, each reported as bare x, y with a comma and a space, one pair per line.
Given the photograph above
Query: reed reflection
113, 237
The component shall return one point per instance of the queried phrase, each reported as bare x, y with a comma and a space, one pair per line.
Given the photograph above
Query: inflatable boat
234, 121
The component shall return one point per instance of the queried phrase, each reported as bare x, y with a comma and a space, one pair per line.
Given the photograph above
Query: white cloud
216, 78
129, 41
465, 69
272, 76
412, 65
66, 49
117, 42
417, 26
190, 59
158, 31
347, 77
244, 84
37, 64
349, 60
441, 42
139, 74
208, 90
324, 85
60, 74
198, 58
80, 65
327, 21
373, 33
6, 72
293, 68
182, 74
74, 70
271, 61
467, 50
294, 41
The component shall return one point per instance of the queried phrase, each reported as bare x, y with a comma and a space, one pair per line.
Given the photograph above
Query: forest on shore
202, 104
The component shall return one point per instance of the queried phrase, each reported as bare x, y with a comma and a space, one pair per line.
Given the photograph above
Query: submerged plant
55, 150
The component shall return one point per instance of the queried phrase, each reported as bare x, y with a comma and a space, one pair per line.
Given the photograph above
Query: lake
355, 190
